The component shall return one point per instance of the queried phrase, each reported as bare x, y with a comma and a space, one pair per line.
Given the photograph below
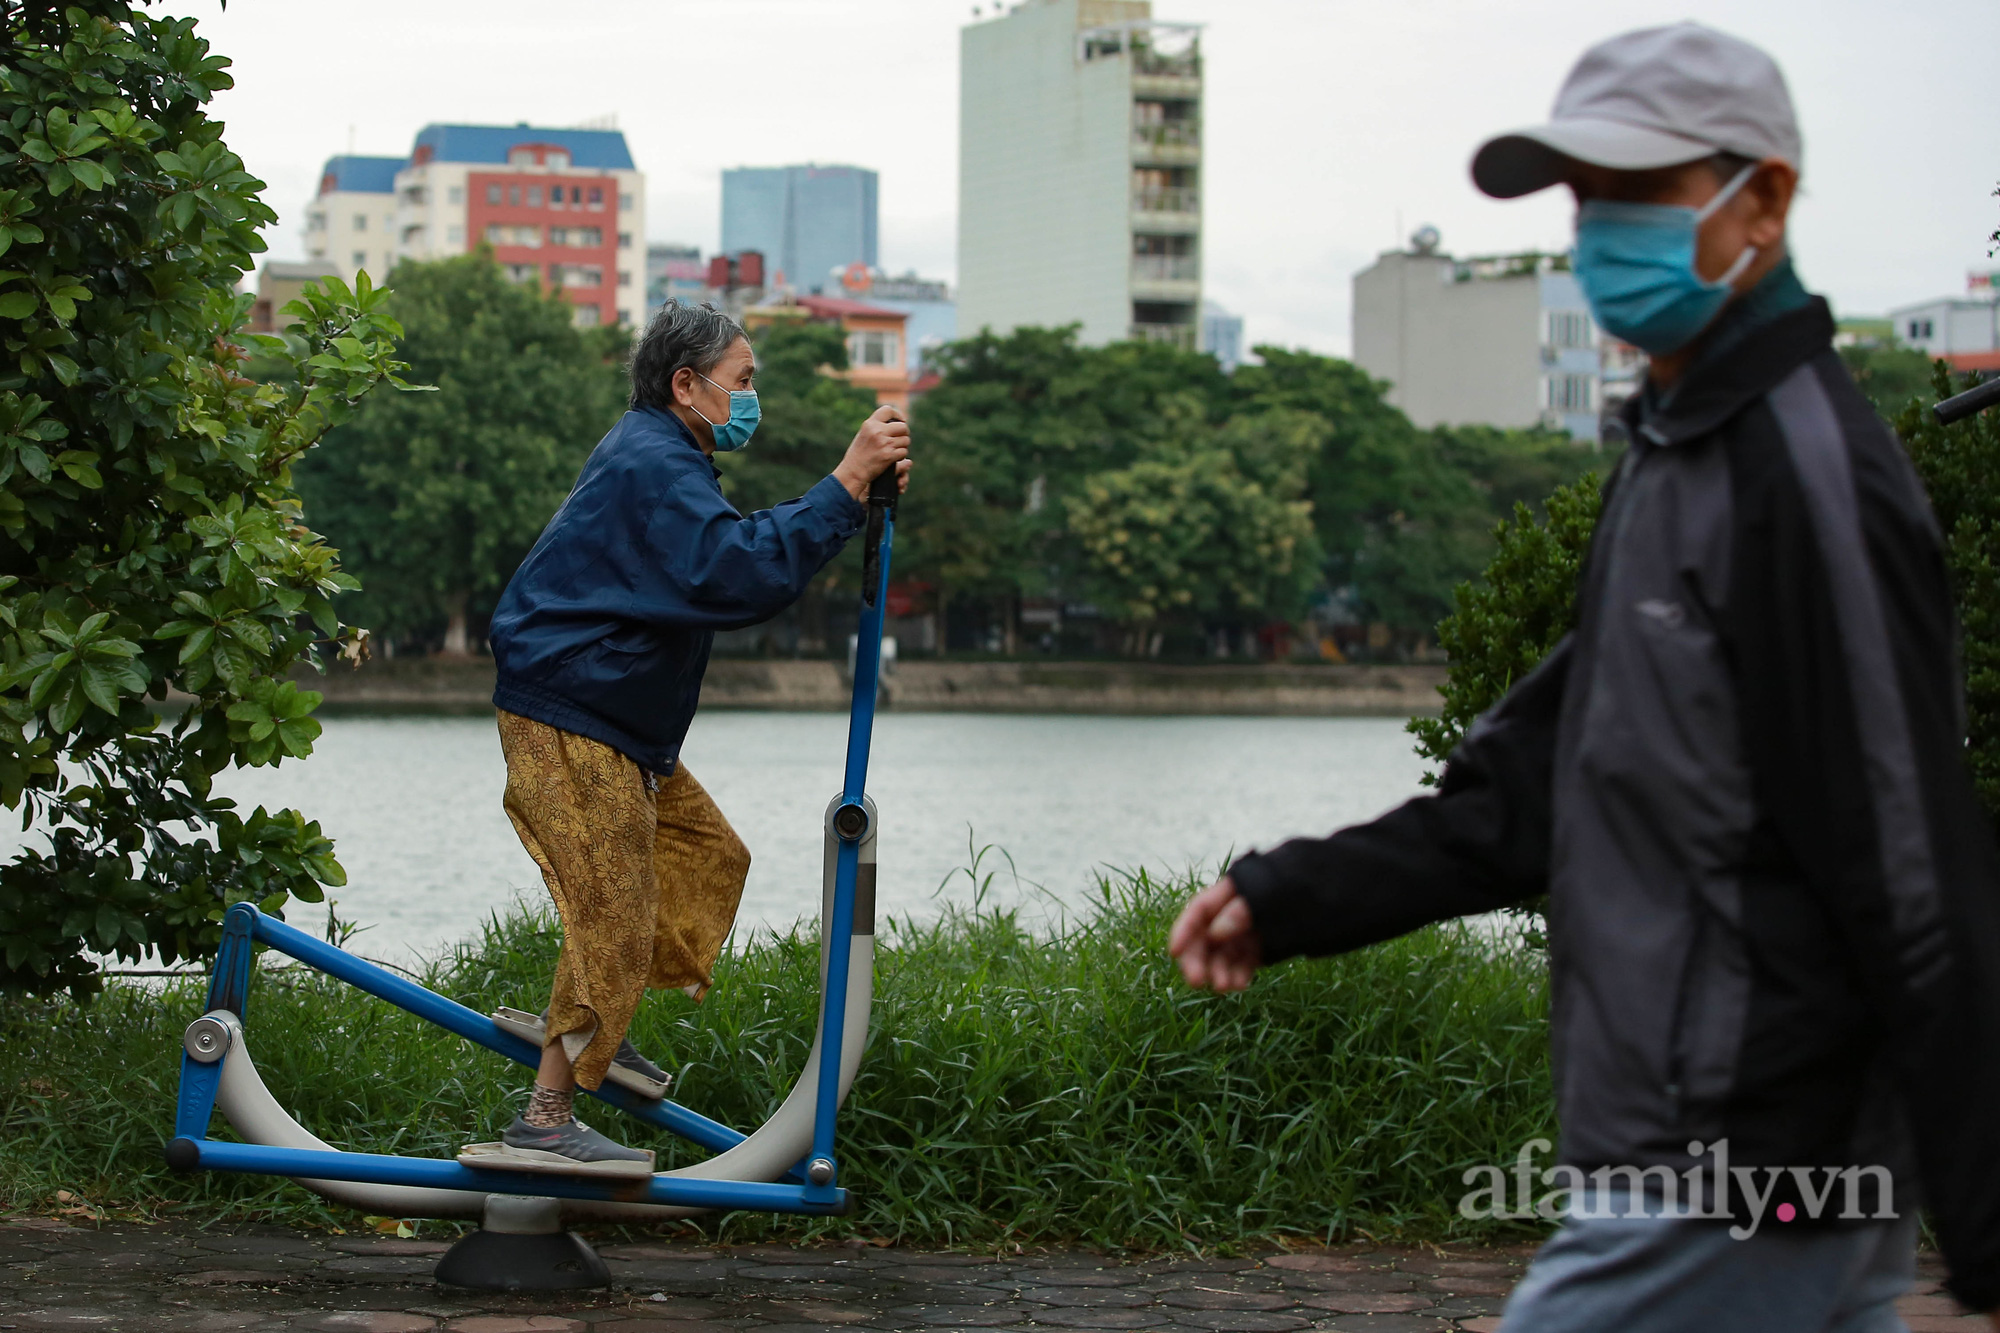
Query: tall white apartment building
1079, 187
562, 207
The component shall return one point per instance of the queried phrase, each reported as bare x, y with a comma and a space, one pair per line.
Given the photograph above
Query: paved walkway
159, 1280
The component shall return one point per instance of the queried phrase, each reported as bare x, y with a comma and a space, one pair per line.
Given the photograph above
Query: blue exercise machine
788, 1165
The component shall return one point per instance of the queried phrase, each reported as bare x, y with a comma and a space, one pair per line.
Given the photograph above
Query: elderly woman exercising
601, 640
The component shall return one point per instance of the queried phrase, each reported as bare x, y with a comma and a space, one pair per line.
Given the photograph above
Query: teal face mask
1635, 263
735, 432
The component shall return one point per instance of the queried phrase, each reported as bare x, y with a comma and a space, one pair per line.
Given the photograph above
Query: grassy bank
1019, 1085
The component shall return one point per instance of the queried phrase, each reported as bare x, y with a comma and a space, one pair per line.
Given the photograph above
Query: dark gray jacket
1774, 915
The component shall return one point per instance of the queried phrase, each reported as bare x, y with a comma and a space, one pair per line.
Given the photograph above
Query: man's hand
883, 440
1216, 940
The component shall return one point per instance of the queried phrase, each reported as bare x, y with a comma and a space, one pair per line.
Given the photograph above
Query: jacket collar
676, 428
1756, 355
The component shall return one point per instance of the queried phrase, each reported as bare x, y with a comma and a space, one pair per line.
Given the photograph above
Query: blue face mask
735, 432
1635, 263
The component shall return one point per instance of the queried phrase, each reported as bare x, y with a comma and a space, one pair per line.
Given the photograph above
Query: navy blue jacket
605, 628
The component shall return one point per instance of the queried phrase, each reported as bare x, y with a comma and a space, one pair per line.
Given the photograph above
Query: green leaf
17, 305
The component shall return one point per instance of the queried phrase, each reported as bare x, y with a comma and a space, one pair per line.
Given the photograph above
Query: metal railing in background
1167, 199
1180, 335
1166, 268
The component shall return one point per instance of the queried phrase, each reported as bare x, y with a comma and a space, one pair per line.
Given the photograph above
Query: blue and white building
1498, 340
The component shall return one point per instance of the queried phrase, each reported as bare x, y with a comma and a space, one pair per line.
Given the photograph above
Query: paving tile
1483, 1324
1355, 1281
534, 1323
648, 1324
1105, 1319
1088, 1298
1239, 1321
1468, 1286
659, 1305
943, 1276
1211, 1298
812, 1312
997, 1315
370, 1321
386, 1245
1368, 1302
1084, 1277
256, 1245
673, 1252
1323, 1263
1383, 1323
232, 1277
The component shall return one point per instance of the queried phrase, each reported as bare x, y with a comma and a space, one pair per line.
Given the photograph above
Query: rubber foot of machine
183, 1154
521, 1246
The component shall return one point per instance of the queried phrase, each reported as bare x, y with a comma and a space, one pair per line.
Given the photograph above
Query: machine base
499, 1261
521, 1246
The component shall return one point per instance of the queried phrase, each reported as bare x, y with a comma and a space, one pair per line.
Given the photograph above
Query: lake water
414, 805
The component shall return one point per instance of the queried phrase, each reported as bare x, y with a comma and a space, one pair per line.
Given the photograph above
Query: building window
455, 195
872, 347
361, 222
1570, 393
360, 259
624, 240
514, 196
577, 275
597, 198
1920, 329
1569, 328
492, 194
456, 235
624, 201
534, 196
588, 316
624, 278
500, 233
581, 237
522, 272
315, 221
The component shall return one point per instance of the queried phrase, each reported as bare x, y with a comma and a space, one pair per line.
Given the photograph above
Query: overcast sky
1335, 127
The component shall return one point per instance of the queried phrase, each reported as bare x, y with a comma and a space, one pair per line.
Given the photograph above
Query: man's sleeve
1851, 704
719, 569
1481, 842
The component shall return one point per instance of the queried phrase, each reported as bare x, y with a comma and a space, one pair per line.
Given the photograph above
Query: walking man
1774, 917
601, 640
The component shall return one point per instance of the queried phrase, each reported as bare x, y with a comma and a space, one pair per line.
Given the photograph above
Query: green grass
1021, 1085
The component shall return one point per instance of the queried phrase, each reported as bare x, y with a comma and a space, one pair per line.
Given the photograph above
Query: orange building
875, 351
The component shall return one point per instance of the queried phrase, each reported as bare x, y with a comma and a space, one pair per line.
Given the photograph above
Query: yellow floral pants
646, 874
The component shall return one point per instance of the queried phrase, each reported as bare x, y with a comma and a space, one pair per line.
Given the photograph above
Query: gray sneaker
572, 1142
628, 1057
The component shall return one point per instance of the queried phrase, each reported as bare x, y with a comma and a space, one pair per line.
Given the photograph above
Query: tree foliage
1958, 464
1032, 444
150, 537
434, 499
1890, 377
1507, 621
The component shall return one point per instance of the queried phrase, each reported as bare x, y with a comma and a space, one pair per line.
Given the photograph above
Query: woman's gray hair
680, 334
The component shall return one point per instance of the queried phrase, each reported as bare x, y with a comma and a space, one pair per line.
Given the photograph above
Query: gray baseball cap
1657, 97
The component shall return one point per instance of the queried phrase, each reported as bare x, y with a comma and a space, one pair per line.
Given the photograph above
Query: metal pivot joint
850, 821
207, 1040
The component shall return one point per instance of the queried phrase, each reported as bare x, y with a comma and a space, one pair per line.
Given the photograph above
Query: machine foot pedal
529, 1027
499, 1157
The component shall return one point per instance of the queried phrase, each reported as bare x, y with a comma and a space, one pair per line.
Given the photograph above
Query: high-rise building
563, 207
1222, 335
1079, 174
674, 273
1502, 340
809, 222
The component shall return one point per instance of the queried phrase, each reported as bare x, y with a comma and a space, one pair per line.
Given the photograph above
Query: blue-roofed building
351, 223
564, 208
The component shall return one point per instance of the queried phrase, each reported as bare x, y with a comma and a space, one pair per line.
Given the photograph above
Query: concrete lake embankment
1113, 688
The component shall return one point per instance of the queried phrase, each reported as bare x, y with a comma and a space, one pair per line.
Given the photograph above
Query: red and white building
561, 207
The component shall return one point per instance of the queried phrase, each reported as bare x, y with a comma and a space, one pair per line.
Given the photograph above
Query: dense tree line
1135, 483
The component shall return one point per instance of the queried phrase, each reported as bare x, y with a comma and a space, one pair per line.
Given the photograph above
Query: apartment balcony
1166, 277
1180, 335
1156, 74
1166, 210
1175, 144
